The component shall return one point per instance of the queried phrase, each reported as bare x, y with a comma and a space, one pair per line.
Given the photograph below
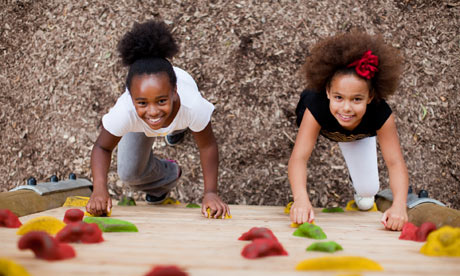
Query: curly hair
146, 48
332, 55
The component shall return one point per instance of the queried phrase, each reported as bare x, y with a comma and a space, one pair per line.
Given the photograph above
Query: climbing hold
54, 178
72, 176
106, 214
111, 224
73, 215
424, 230
126, 201
76, 201
294, 225
9, 219
339, 263
312, 231
443, 242
414, 233
263, 248
50, 225
45, 247
166, 270
227, 216
10, 268
329, 246
351, 206
170, 201
333, 210
80, 232
287, 209
423, 194
257, 233
31, 181
193, 205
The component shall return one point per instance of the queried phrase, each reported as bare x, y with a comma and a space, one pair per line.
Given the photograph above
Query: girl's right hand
302, 211
99, 203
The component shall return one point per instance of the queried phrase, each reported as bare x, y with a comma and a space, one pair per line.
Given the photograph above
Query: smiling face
155, 100
348, 97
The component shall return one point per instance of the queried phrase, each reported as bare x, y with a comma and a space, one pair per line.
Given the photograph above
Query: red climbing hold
163, 270
263, 248
414, 233
258, 233
73, 215
423, 231
80, 232
45, 247
9, 219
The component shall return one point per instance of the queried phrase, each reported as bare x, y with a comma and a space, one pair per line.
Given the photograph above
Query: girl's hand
215, 204
395, 217
99, 204
302, 211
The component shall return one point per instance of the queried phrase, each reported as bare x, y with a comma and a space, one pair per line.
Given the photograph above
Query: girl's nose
346, 106
152, 111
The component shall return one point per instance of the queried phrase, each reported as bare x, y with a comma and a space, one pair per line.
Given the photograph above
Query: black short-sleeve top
377, 113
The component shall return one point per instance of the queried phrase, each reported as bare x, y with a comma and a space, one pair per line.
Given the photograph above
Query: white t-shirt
194, 112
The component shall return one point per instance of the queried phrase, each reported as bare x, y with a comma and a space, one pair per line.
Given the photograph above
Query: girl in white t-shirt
159, 100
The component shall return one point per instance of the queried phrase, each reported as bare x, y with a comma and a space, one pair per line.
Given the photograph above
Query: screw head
423, 193
54, 178
31, 181
72, 176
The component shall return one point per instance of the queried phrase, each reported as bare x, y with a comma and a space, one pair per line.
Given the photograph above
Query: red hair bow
367, 65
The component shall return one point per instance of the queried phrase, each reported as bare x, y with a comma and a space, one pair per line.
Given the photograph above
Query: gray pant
140, 169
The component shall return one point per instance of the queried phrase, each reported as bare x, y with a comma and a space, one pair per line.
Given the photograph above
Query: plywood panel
181, 236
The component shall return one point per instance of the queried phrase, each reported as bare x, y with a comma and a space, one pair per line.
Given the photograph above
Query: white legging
361, 159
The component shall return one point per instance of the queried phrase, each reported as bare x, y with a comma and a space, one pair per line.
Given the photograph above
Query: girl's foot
364, 203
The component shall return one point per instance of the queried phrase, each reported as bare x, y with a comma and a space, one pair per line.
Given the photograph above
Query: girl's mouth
345, 118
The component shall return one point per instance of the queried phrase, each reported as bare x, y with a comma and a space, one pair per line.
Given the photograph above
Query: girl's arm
395, 217
209, 157
301, 210
101, 155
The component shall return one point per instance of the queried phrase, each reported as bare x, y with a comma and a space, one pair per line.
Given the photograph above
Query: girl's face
348, 98
155, 100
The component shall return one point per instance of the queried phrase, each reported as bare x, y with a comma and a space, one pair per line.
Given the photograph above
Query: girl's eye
338, 97
141, 103
358, 99
162, 101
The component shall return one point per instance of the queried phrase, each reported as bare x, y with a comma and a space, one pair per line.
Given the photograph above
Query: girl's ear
327, 93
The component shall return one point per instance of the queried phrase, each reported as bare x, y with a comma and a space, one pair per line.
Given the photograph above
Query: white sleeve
202, 111
118, 121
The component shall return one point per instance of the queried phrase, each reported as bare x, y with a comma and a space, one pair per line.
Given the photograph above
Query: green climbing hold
329, 246
193, 205
333, 210
311, 231
127, 201
107, 224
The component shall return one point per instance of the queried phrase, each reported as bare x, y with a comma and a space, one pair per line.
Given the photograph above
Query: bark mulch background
60, 72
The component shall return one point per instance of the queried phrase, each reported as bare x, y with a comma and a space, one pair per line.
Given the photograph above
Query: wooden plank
181, 236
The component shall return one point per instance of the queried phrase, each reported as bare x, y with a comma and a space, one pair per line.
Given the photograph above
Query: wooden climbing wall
181, 236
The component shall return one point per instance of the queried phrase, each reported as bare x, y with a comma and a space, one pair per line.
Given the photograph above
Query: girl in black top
349, 76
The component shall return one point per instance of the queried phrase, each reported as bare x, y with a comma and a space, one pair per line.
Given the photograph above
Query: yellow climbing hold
10, 268
443, 242
171, 201
351, 206
108, 214
226, 215
295, 225
48, 224
287, 209
352, 263
76, 201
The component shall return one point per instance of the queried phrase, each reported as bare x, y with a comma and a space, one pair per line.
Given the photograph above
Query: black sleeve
382, 112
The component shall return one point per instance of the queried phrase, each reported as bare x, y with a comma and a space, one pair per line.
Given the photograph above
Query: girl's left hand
395, 217
215, 204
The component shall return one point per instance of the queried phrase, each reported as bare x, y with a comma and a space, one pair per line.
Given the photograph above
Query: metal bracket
52, 187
